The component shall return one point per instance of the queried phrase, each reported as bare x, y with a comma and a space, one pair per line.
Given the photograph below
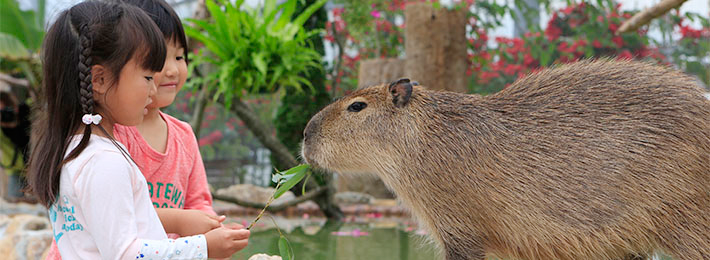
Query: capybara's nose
311, 127
308, 131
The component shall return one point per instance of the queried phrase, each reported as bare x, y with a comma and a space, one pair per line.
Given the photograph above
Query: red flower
211, 138
568, 10
486, 76
578, 43
512, 69
564, 47
625, 55
618, 41
552, 32
613, 27
485, 55
528, 60
597, 44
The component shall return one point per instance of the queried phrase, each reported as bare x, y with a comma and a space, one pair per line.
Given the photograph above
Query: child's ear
99, 81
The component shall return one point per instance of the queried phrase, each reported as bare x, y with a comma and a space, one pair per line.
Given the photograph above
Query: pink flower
375, 14
353, 233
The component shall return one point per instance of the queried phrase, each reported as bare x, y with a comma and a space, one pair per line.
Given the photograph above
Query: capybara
597, 159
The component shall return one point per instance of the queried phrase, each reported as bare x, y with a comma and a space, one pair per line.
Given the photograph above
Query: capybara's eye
357, 106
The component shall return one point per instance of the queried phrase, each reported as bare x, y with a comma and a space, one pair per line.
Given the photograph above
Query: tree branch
199, 113
644, 17
273, 207
14, 81
262, 132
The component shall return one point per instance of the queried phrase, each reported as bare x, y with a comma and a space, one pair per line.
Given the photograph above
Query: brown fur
591, 160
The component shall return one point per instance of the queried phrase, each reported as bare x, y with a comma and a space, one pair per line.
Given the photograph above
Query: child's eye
180, 57
149, 78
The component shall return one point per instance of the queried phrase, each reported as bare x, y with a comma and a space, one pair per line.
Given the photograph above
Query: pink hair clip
89, 119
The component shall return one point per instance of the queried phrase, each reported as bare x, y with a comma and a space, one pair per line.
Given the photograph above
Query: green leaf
301, 18
284, 248
288, 8
12, 48
220, 20
269, 6
23, 25
298, 173
259, 62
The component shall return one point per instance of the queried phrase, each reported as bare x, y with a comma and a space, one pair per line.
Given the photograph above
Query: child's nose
170, 69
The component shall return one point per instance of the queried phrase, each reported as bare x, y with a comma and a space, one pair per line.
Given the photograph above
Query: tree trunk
376, 71
644, 17
263, 133
436, 47
283, 157
296, 110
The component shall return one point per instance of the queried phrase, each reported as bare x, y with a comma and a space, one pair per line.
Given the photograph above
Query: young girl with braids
165, 148
99, 60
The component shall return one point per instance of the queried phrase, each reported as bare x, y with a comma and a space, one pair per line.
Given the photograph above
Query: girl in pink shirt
164, 147
98, 71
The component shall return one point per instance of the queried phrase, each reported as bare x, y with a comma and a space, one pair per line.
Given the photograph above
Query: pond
355, 239
316, 239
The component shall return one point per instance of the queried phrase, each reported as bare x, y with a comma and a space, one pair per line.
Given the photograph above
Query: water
357, 239
320, 239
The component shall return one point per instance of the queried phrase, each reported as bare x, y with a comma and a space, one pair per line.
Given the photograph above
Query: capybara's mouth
305, 156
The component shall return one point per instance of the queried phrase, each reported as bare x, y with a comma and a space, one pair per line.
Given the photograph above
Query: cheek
182, 73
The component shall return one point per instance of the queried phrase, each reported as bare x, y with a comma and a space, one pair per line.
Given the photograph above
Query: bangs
147, 43
165, 18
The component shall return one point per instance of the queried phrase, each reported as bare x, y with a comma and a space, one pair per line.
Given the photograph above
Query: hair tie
89, 119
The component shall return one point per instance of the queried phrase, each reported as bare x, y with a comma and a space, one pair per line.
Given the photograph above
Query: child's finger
240, 244
240, 234
234, 226
221, 218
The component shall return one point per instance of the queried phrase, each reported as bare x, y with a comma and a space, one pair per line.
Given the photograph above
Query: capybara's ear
401, 91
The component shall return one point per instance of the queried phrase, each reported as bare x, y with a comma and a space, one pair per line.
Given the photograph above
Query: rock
24, 237
364, 183
350, 197
7, 208
256, 194
264, 257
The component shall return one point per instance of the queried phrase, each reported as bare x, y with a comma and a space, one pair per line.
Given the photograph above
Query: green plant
284, 182
583, 29
254, 50
21, 35
692, 50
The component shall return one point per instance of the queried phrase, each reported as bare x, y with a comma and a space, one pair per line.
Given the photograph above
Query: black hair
87, 34
165, 18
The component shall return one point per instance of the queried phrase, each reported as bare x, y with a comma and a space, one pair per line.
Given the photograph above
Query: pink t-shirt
176, 178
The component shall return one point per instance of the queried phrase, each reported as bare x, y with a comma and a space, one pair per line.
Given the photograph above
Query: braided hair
89, 33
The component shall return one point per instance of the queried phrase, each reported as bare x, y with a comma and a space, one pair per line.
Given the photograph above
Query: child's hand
225, 241
194, 222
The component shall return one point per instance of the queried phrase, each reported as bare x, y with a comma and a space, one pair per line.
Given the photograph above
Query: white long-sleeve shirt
103, 210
